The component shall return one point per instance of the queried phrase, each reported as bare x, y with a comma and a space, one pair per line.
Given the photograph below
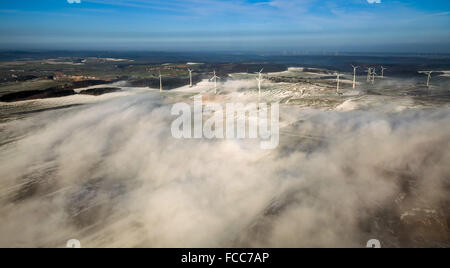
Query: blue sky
250, 25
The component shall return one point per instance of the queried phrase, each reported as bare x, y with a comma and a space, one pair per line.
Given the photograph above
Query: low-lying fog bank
110, 175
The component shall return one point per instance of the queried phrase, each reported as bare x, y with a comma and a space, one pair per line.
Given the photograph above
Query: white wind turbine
160, 82
354, 75
260, 80
382, 71
215, 77
369, 73
374, 73
190, 77
338, 82
429, 77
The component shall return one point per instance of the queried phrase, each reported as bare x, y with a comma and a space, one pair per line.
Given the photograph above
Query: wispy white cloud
297, 22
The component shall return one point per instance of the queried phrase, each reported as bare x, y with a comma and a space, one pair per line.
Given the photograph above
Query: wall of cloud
111, 175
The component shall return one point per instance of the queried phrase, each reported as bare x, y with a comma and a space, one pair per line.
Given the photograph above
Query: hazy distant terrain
102, 167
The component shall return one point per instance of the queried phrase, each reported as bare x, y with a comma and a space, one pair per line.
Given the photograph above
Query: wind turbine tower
354, 75
369, 73
215, 77
260, 80
373, 75
429, 78
160, 82
338, 82
190, 77
382, 71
